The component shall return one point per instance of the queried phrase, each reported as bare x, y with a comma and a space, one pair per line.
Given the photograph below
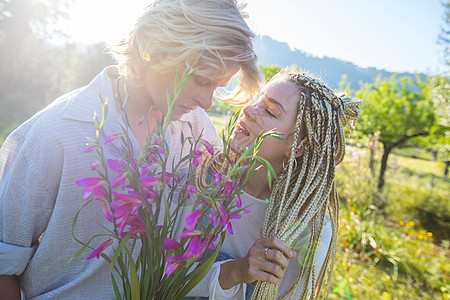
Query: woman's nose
204, 100
249, 111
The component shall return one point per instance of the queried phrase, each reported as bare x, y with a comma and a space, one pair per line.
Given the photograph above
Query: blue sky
395, 35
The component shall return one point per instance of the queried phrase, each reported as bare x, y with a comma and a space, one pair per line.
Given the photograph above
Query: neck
258, 184
141, 118
139, 103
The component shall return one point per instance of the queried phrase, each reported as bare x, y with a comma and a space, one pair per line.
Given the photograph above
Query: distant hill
271, 52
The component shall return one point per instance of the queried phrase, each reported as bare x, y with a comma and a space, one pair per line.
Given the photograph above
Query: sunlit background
398, 35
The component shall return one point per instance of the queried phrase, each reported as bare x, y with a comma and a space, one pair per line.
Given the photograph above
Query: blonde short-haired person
42, 159
287, 243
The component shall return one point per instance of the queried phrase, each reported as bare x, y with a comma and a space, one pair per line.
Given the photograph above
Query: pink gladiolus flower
130, 198
119, 180
197, 155
90, 184
95, 164
189, 233
229, 188
219, 177
190, 191
195, 247
223, 215
100, 193
135, 224
170, 244
107, 213
116, 165
192, 218
175, 258
204, 201
236, 216
149, 181
97, 252
170, 268
147, 168
229, 228
111, 138
238, 201
208, 146
89, 149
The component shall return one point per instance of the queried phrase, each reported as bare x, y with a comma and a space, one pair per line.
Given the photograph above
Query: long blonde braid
305, 194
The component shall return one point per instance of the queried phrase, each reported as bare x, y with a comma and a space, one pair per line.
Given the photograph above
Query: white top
246, 232
39, 164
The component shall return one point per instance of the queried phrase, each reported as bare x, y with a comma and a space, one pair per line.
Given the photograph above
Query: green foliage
398, 108
389, 254
269, 71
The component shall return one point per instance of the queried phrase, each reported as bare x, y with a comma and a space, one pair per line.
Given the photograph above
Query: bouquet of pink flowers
145, 198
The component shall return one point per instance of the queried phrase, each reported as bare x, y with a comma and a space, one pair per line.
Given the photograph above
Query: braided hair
304, 192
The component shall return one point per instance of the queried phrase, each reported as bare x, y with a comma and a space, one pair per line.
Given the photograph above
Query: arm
23, 191
9, 285
257, 265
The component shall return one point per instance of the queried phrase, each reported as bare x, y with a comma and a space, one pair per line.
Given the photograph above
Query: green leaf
119, 250
134, 280
116, 289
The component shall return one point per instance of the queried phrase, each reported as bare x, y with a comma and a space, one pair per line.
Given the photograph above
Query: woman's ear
299, 153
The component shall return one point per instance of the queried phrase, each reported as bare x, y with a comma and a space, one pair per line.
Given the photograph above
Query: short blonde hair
210, 35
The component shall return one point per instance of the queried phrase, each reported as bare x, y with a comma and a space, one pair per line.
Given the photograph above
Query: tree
438, 89
400, 109
444, 37
269, 71
32, 71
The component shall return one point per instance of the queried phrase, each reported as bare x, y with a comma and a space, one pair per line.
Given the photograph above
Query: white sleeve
215, 290
209, 286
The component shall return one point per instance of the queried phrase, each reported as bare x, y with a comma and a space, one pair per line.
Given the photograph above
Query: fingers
267, 260
263, 270
276, 243
275, 256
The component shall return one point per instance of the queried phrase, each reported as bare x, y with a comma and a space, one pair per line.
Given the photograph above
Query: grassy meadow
394, 244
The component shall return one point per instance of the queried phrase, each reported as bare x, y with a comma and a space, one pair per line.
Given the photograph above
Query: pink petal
89, 149
149, 181
192, 218
229, 228
90, 181
238, 201
113, 137
115, 165
208, 147
170, 268
170, 244
189, 233
97, 252
119, 180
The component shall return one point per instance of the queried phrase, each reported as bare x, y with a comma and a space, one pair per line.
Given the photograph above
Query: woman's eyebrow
273, 101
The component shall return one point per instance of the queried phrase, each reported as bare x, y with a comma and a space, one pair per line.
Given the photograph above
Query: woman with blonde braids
301, 210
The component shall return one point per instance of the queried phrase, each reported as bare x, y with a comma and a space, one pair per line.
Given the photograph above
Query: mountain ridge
271, 52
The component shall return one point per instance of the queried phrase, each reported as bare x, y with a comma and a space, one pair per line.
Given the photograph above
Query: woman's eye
201, 82
269, 113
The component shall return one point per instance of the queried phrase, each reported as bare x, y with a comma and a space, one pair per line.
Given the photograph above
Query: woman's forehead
281, 89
